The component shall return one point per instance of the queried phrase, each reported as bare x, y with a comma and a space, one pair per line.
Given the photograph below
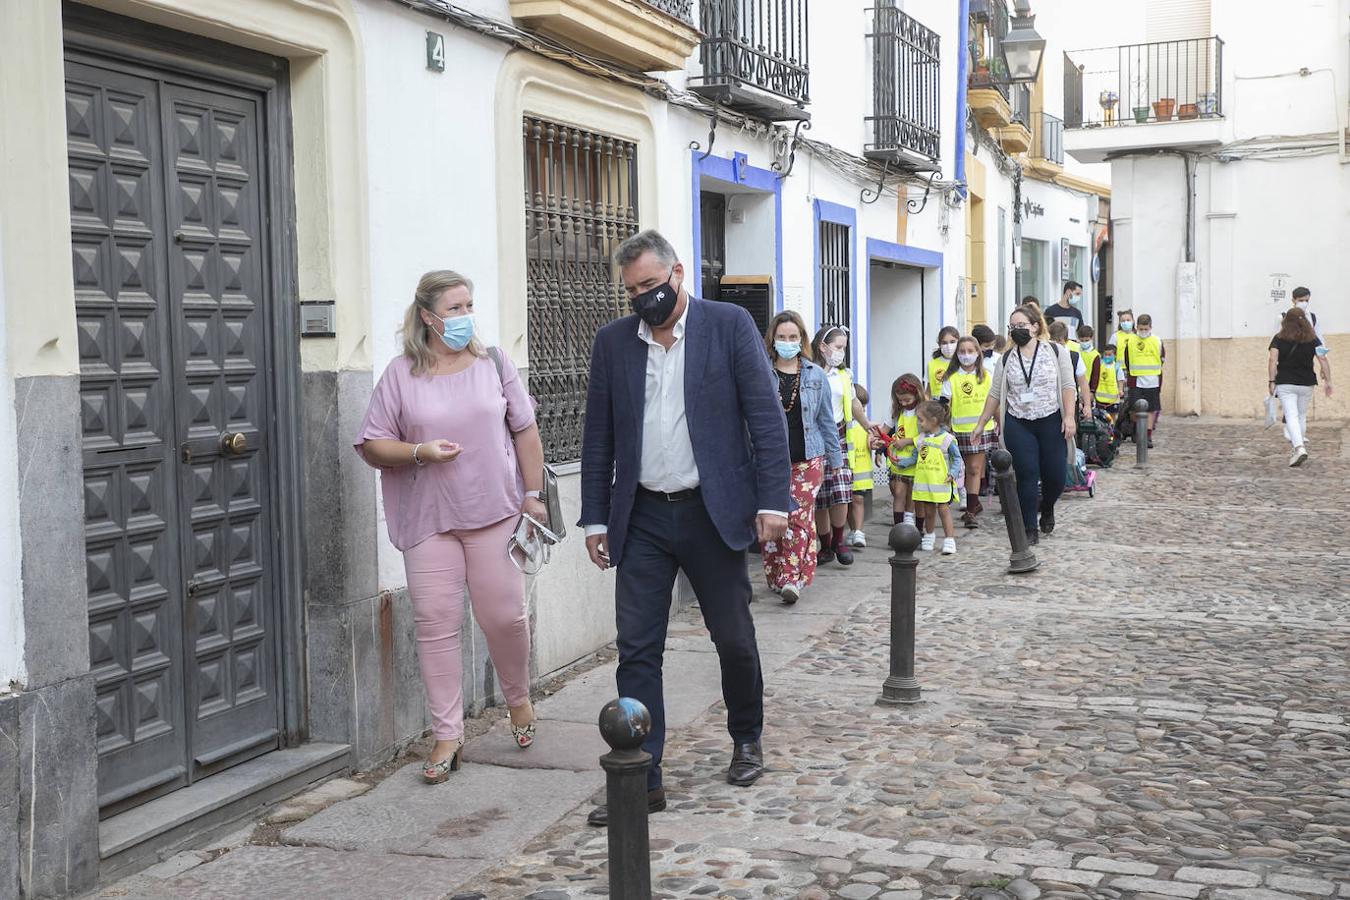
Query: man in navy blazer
684, 463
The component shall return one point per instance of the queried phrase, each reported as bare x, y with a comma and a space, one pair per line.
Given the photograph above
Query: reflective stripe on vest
931, 472
968, 396
1145, 356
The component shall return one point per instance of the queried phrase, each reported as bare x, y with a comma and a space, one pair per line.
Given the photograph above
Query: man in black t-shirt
1064, 309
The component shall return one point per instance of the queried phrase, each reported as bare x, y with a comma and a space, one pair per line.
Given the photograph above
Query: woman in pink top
460, 459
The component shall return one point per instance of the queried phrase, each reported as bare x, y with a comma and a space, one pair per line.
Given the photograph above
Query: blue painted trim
962, 76
825, 211
908, 256
737, 172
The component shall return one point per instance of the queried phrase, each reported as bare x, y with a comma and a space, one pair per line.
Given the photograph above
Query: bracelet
535, 495
417, 461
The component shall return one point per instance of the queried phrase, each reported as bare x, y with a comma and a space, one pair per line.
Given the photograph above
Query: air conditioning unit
752, 293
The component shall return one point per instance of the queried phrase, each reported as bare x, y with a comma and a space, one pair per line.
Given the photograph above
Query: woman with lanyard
1033, 391
790, 563
836, 492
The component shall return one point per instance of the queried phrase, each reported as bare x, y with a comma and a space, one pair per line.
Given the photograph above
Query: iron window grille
756, 43
835, 274
905, 85
1048, 138
580, 203
678, 9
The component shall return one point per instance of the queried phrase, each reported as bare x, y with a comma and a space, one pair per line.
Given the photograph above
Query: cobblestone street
1160, 711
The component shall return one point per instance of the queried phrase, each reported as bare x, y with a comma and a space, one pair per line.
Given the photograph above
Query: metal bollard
1022, 559
900, 687
1140, 432
624, 724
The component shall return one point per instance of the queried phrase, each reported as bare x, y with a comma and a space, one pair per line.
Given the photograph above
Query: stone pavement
1161, 711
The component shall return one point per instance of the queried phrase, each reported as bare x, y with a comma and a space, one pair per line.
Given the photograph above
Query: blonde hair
414, 331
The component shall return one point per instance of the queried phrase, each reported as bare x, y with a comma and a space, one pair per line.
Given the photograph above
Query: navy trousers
663, 538
1040, 457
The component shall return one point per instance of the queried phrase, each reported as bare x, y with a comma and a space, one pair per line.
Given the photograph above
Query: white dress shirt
667, 463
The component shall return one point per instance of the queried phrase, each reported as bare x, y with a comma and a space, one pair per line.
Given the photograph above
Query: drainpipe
962, 76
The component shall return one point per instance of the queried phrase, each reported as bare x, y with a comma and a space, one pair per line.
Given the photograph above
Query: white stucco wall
12, 667
1067, 214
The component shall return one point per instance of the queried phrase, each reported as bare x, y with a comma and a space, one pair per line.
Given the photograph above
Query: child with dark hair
985, 337
1143, 361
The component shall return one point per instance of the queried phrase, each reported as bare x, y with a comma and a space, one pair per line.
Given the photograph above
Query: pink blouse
472, 408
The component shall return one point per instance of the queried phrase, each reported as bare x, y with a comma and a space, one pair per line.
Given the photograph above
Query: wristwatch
536, 495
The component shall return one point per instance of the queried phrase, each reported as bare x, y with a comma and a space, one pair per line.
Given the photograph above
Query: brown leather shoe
656, 802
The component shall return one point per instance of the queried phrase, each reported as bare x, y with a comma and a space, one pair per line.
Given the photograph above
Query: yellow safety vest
968, 396
859, 458
907, 427
936, 369
1121, 338
846, 400
1088, 357
1108, 386
1145, 356
932, 482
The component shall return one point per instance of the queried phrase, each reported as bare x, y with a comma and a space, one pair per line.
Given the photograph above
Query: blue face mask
1108, 360
458, 331
1127, 326
1085, 345
787, 349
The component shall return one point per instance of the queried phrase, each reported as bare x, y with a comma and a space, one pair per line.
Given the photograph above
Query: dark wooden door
168, 192
713, 242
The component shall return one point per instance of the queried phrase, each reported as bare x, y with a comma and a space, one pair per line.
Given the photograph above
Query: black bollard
624, 724
1022, 559
900, 687
1140, 433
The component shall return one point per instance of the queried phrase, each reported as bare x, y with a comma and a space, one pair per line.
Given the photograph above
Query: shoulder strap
496, 354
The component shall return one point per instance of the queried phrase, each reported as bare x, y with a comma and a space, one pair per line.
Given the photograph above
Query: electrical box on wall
318, 318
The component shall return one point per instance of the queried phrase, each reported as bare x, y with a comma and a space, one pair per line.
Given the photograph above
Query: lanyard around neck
1027, 373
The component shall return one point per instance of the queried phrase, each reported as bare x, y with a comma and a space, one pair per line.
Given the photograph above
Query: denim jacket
822, 435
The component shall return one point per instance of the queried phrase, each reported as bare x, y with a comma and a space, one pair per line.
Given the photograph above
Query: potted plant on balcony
1188, 111
1209, 104
1140, 108
1163, 107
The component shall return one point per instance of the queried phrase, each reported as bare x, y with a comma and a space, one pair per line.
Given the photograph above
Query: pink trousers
438, 570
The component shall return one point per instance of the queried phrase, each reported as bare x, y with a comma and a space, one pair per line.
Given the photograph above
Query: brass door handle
233, 443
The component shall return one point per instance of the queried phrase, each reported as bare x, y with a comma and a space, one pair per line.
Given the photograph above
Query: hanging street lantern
1023, 48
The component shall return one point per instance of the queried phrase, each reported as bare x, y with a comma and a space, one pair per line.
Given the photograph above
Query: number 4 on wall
435, 51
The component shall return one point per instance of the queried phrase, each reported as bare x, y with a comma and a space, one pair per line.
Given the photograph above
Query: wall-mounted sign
1030, 209
1279, 287
1065, 272
435, 51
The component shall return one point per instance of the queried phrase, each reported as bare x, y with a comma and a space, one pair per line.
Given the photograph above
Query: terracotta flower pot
1162, 109
1188, 111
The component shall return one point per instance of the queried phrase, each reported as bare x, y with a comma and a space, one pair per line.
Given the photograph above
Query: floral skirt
793, 559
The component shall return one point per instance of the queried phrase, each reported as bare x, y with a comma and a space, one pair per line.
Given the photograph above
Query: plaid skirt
837, 487
983, 442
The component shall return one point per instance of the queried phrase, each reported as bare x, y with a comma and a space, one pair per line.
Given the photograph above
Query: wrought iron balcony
754, 57
905, 88
1138, 84
989, 24
1047, 138
643, 35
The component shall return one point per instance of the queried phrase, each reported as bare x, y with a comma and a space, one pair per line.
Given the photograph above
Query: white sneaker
790, 594
1297, 457
909, 518
928, 541
961, 503
857, 539
948, 546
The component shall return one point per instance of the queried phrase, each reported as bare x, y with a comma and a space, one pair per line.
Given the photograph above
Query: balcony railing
1047, 138
678, 9
989, 23
905, 86
1019, 98
754, 56
1136, 84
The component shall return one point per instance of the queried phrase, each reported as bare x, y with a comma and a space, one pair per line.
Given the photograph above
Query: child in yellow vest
1143, 360
942, 357
964, 390
860, 461
898, 444
1111, 379
1124, 330
937, 472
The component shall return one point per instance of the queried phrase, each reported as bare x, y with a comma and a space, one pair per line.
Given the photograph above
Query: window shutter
1177, 20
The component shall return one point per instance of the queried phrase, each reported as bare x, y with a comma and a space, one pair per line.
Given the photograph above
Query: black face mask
1021, 335
655, 306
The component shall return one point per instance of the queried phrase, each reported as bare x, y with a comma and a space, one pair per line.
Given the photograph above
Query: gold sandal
437, 772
